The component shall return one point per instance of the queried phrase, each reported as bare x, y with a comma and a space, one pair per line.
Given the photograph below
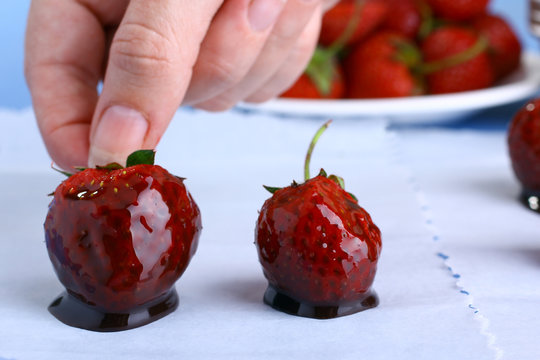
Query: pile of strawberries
398, 48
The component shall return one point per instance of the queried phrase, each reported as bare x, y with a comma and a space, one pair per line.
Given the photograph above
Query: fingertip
68, 146
120, 131
262, 14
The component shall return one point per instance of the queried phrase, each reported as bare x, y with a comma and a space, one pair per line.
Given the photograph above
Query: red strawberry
456, 60
323, 78
408, 17
363, 16
524, 149
306, 89
381, 67
504, 46
458, 10
318, 248
118, 239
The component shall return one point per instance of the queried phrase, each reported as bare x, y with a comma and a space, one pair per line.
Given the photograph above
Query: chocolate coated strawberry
118, 239
524, 149
318, 248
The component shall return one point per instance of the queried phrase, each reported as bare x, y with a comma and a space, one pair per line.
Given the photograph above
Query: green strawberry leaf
323, 173
407, 53
140, 157
352, 195
322, 70
338, 180
111, 166
60, 171
271, 189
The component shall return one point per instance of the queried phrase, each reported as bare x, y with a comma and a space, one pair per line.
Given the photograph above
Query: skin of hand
153, 56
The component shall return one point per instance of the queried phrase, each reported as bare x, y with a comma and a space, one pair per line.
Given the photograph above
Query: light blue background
13, 91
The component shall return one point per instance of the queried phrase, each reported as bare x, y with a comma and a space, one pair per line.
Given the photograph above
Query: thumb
149, 69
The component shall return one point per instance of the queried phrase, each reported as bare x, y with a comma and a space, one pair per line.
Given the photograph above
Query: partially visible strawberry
504, 46
366, 16
408, 17
456, 59
118, 239
381, 67
318, 248
524, 149
322, 79
458, 10
305, 88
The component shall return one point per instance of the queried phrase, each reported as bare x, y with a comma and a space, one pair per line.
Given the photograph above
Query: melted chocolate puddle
285, 303
73, 312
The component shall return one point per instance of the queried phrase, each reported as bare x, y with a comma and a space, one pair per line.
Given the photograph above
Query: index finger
64, 52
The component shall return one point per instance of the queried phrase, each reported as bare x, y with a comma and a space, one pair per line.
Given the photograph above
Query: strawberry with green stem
318, 248
324, 77
504, 48
351, 21
384, 66
456, 59
118, 239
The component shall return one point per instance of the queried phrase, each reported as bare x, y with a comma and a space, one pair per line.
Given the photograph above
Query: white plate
524, 83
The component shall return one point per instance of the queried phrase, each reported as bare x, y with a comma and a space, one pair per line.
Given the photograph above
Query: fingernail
120, 131
263, 13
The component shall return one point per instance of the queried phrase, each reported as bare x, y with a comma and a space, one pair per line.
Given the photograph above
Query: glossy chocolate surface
530, 199
118, 240
319, 247
286, 303
73, 312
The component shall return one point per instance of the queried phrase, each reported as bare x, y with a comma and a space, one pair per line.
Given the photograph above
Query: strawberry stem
345, 36
454, 60
271, 189
312, 146
322, 67
427, 21
60, 171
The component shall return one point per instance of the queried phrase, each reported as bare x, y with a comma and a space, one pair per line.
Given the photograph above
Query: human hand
153, 56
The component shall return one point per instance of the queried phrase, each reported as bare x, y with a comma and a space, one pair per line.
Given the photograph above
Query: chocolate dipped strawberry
118, 239
318, 248
524, 149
